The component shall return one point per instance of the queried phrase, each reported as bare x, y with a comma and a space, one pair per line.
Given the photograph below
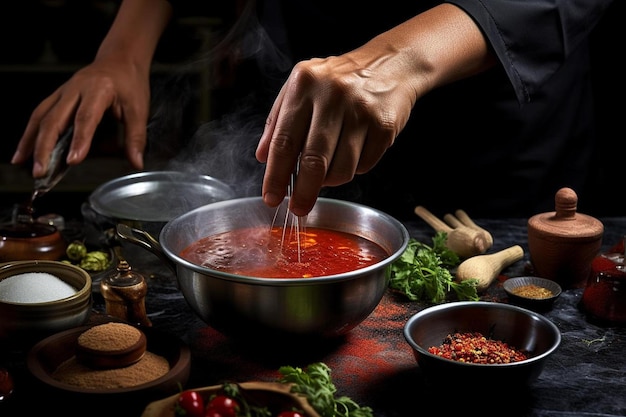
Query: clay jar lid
563, 243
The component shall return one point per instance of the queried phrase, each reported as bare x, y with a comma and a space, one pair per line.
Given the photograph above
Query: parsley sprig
316, 384
422, 273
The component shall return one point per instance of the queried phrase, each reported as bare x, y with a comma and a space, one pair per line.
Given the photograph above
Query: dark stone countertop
373, 364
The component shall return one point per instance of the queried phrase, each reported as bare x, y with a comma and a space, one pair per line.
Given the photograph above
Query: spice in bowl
120, 361
474, 347
111, 345
532, 292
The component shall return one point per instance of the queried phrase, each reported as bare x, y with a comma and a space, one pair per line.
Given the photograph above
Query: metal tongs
57, 167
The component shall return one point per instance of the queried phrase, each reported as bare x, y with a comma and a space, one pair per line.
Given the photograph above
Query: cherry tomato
290, 414
190, 404
6, 385
211, 412
223, 405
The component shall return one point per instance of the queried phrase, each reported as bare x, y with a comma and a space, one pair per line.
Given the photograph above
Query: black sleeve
532, 39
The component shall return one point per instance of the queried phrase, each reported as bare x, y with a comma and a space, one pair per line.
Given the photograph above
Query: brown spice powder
109, 337
149, 368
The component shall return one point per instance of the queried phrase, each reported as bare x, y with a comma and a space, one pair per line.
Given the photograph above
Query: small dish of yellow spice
534, 293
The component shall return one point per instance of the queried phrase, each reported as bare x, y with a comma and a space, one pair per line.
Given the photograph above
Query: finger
51, 126
377, 141
135, 131
285, 144
26, 144
136, 138
87, 118
329, 143
262, 149
347, 153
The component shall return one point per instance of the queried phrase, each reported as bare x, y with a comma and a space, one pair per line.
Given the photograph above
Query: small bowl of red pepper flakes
534, 293
481, 343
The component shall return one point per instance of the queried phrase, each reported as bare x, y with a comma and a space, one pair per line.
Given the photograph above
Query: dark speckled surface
373, 364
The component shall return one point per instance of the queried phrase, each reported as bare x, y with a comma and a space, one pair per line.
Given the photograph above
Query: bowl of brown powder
161, 366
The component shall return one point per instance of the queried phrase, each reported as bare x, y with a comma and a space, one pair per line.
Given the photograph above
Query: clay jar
26, 241
563, 243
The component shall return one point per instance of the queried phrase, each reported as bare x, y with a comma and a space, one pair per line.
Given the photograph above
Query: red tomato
190, 404
211, 412
222, 405
290, 414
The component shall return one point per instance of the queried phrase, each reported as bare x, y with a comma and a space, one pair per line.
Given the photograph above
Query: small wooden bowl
273, 395
47, 355
98, 355
527, 300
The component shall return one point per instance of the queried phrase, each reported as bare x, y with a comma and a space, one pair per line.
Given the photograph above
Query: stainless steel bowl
243, 305
522, 329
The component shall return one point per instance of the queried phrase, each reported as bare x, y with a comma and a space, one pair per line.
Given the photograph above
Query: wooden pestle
463, 240
461, 217
485, 268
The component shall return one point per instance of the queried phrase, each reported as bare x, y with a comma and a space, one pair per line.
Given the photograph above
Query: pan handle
145, 240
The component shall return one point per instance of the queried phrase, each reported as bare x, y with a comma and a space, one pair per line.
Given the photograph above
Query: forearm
432, 49
135, 33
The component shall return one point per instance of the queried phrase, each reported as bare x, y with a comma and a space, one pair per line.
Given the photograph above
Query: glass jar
604, 298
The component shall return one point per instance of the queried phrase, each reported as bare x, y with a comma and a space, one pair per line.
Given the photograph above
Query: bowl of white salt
41, 297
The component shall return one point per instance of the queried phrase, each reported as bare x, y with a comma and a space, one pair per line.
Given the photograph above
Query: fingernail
71, 157
38, 170
271, 199
16, 155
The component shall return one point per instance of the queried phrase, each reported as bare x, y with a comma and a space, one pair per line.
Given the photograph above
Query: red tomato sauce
284, 253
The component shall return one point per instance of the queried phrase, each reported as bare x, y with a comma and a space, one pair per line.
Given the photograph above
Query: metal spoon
57, 168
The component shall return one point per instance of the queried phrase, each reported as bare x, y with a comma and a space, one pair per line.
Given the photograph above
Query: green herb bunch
316, 384
423, 273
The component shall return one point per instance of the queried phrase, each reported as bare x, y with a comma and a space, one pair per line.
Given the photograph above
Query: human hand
82, 101
333, 118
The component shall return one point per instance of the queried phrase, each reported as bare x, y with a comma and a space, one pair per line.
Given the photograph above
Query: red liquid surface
284, 253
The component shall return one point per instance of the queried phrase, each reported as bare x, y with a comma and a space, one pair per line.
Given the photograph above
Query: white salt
34, 287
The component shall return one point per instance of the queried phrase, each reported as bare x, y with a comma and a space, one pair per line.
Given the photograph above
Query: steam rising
224, 147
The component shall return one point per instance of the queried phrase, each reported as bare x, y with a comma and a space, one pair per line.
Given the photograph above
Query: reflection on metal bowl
238, 305
148, 200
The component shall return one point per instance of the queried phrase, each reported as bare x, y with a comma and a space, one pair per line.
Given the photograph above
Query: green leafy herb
422, 273
316, 384
247, 409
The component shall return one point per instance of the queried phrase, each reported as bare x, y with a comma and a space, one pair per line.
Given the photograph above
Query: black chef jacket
498, 144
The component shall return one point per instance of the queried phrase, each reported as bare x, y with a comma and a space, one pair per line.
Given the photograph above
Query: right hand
121, 87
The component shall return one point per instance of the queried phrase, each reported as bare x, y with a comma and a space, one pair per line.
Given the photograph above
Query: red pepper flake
473, 347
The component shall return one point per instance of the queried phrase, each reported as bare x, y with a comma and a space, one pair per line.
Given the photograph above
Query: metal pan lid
157, 196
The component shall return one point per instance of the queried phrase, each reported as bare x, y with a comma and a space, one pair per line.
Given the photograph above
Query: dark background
44, 41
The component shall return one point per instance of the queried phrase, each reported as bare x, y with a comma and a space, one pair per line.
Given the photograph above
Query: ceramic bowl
522, 329
28, 319
273, 395
45, 357
533, 293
